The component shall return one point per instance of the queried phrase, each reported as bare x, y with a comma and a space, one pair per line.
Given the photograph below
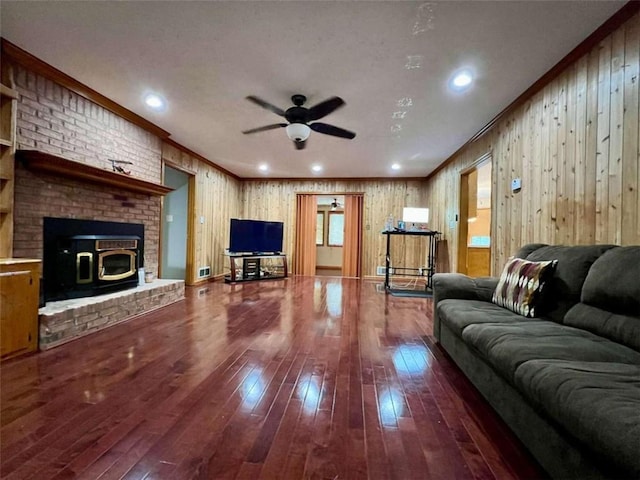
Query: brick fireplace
56, 122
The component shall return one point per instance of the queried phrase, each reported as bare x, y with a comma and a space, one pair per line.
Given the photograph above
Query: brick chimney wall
53, 119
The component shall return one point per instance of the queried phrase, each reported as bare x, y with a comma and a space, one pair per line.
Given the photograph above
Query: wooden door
474, 259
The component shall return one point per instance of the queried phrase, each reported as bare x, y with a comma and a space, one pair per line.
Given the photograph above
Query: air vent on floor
381, 271
204, 272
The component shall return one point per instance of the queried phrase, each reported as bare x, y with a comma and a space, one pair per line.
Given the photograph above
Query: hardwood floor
321, 378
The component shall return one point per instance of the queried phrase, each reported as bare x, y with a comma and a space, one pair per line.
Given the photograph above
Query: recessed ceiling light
316, 168
395, 166
154, 101
461, 80
263, 167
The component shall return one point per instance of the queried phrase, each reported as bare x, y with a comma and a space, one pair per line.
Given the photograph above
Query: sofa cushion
506, 346
565, 286
613, 282
522, 284
623, 329
457, 285
458, 314
527, 249
597, 403
611, 298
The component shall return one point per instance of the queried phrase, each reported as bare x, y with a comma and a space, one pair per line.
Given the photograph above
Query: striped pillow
521, 284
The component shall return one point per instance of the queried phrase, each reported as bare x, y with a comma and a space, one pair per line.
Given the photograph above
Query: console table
256, 267
427, 271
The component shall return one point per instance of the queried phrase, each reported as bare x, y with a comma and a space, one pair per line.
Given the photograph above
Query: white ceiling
205, 57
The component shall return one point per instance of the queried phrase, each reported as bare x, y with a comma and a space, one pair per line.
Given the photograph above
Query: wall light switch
201, 219
169, 218
516, 184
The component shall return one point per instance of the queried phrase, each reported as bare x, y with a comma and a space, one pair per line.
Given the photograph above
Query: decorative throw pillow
521, 285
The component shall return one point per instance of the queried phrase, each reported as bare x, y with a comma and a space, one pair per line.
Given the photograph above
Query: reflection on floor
329, 272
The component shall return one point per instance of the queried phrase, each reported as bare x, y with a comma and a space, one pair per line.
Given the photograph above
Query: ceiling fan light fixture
298, 132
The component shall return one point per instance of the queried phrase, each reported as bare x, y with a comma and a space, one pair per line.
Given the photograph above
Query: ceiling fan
299, 128
335, 205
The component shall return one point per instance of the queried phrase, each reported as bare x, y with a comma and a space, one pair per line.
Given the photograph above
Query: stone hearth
67, 320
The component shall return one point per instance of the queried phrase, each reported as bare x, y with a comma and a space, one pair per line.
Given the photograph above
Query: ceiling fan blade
325, 108
265, 128
331, 130
300, 145
267, 105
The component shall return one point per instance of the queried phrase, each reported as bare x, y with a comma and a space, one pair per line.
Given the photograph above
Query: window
336, 229
320, 229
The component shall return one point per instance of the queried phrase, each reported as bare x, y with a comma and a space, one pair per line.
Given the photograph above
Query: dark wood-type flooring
321, 378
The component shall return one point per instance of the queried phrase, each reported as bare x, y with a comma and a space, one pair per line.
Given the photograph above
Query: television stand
250, 267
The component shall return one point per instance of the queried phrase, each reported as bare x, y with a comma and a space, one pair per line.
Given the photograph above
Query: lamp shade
298, 132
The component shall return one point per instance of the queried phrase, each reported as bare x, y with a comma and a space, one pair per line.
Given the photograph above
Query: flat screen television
255, 236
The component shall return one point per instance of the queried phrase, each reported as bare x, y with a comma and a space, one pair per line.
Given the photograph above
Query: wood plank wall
276, 200
217, 199
575, 147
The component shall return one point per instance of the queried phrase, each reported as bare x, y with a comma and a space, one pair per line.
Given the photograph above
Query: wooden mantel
45, 162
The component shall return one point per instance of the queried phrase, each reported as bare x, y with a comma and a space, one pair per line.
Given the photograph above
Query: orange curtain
352, 249
304, 262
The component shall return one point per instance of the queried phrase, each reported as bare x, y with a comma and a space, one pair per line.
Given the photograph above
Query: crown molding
333, 179
190, 152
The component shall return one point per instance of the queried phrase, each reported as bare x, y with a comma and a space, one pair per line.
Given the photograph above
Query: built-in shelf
8, 108
8, 92
45, 162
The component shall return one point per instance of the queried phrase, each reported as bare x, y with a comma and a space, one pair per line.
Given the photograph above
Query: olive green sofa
567, 383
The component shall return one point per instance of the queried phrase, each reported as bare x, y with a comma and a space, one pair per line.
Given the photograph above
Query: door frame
360, 226
463, 224
190, 274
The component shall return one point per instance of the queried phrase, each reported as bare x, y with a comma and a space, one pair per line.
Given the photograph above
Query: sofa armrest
462, 287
